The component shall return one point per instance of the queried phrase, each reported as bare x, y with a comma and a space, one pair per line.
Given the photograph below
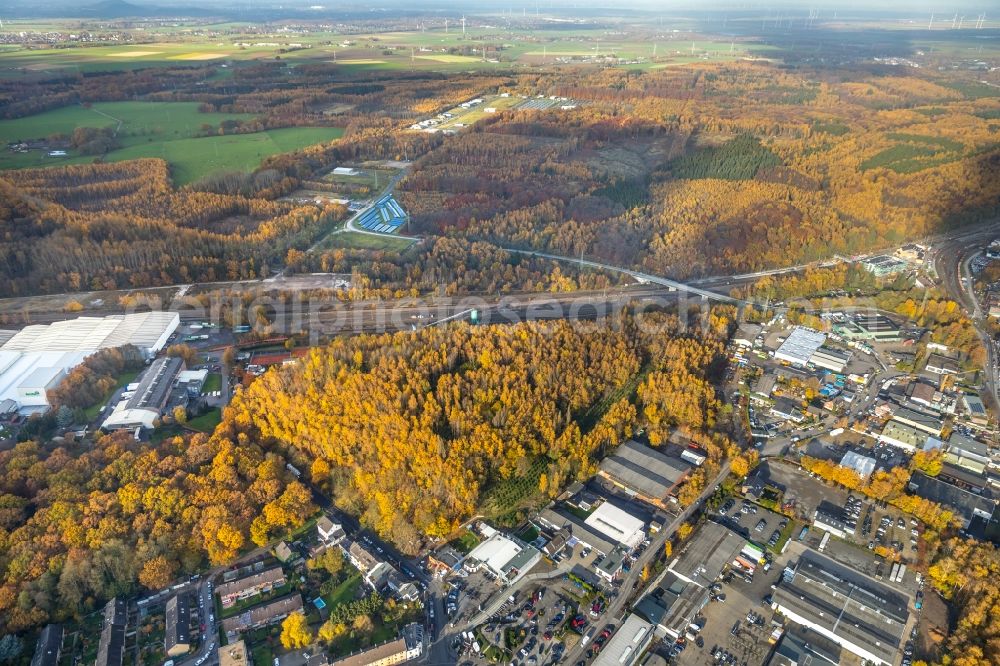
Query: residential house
329, 531
177, 633
408, 646
250, 586
111, 645
49, 646
262, 616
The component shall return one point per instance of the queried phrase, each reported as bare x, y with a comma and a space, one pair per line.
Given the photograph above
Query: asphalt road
616, 609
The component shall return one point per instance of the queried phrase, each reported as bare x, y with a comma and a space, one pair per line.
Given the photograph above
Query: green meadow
168, 130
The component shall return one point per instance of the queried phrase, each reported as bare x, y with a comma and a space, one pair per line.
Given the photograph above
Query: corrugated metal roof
644, 470
143, 329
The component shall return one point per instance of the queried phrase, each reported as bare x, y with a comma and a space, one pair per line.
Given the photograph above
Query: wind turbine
463, 25
930, 24
446, 26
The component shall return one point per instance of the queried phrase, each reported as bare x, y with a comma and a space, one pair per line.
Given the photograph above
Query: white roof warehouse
35, 359
618, 524
506, 559
800, 345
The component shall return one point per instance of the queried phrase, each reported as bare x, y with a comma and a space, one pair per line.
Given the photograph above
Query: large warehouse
505, 558
644, 473
618, 524
35, 359
861, 615
800, 345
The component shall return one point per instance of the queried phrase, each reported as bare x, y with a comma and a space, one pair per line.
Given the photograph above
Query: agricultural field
174, 131
434, 48
87, 59
192, 159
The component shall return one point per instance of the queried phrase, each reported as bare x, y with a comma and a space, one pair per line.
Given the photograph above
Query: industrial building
618, 524
628, 644
800, 345
557, 520
877, 327
882, 265
975, 408
966, 504
800, 646
705, 556
923, 421
49, 646
672, 604
763, 387
862, 464
644, 472
829, 358
788, 409
861, 615
903, 436
830, 518
868, 327
746, 334
967, 453
150, 400
35, 359
504, 558
177, 632
941, 365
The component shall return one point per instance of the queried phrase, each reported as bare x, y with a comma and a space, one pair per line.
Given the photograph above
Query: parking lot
534, 628
754, 522
739, 624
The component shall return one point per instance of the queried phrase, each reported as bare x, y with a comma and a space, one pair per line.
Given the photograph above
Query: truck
894, 571
902, 572
294, 470
836, 431
803, 533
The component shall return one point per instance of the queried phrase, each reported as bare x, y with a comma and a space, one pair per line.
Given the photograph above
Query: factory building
504, 558
644, 473
150, 400
882, 265
831, 359
861, 615
800, 345
618, 524
35, 359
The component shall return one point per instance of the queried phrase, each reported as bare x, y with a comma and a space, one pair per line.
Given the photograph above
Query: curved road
640, 277
951, 262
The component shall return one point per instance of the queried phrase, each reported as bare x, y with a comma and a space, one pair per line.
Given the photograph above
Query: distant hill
115, 9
